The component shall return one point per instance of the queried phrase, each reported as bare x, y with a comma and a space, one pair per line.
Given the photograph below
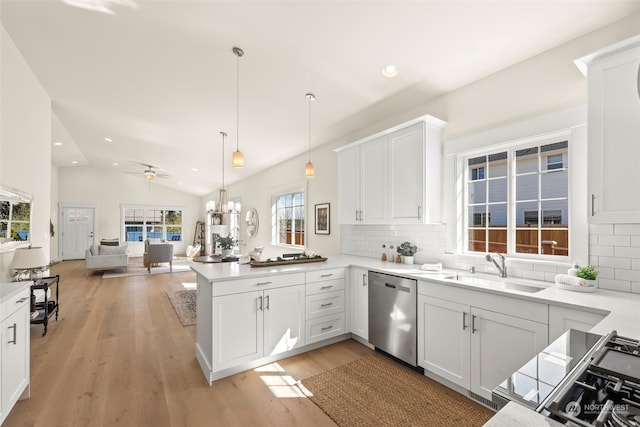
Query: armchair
158, 253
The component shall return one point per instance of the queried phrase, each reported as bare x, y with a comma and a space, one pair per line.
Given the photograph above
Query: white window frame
275, 232
123, 226
511, 148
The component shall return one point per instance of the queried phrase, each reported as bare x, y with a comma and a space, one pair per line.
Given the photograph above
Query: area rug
136, 268
376, 391
184, 303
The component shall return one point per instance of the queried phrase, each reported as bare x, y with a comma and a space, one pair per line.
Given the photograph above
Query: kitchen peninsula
248, 317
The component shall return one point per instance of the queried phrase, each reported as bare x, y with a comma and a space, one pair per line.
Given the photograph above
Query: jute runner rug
184, 303
375, 391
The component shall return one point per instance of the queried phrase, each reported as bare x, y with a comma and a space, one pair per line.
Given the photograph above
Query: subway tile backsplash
614, 251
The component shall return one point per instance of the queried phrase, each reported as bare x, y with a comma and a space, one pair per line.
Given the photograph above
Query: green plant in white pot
587, 273
227, 244
407, 250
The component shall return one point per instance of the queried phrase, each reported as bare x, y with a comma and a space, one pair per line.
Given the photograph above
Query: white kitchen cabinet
359, 302
476, 340
613, 79
250, 325
325, 304
15, 348
500, 345
562, 319
393, 176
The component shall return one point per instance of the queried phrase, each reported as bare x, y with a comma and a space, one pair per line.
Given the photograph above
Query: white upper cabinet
613, 76
393, 177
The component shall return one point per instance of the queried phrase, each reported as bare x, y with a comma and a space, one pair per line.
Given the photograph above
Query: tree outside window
289, 219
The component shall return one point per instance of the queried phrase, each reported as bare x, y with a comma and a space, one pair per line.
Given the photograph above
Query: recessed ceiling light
74, 162
116, 164
57, 143
194, 169
108, 139
389, 71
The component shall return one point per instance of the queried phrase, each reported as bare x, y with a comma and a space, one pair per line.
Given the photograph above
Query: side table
42, 311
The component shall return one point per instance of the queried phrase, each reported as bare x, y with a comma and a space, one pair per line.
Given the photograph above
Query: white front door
77, 231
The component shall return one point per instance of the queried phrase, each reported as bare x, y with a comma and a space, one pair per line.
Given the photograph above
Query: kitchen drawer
15, 302
326, 286
325, 327
261, 283
325, 304
320, 275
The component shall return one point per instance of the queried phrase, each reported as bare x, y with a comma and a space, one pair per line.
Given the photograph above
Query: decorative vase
226, 253
407, 259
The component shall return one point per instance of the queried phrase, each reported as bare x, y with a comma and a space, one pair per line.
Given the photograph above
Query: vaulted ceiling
158, 78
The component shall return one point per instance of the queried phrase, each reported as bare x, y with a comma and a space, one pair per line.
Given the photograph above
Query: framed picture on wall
322, 218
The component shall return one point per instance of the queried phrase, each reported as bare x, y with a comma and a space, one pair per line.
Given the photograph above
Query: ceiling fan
150, 173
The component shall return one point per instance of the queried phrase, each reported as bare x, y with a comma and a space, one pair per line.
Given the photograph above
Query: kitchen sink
505, 284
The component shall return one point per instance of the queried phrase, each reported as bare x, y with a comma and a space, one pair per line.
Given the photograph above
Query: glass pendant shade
309, 170
238, 159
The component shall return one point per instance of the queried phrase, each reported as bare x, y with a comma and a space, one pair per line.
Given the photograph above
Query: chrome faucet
501, 266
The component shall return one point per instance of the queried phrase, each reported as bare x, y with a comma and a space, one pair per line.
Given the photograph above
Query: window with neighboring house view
520, 203
156, 223
288, 212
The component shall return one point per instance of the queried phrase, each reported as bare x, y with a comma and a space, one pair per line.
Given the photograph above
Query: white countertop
7, 290
622, 309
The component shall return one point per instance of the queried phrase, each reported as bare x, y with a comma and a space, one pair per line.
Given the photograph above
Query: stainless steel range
600, 387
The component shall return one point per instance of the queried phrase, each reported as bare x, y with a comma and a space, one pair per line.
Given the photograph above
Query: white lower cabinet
359, 302
15, 350
562, 319
250, 325
477, 348
325, 305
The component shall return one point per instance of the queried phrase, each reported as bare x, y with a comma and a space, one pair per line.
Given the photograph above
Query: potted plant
227, 244
407, 250
587, 273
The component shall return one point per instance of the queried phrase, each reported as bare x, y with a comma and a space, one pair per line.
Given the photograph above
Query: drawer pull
21, 300
15, 334
327, 287
326, 275
263, 283
326, 304
326, 328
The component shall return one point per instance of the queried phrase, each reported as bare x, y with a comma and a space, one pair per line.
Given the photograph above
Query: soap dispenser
384, 253
573, 271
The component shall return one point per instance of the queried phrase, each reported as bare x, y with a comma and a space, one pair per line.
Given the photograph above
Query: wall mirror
251, 222
15, 218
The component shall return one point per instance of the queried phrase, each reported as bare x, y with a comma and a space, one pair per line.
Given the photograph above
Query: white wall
107, 191
25, 149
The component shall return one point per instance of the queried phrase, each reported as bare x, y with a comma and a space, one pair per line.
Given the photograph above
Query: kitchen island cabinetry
15, 345
383, 179
476, 340
613, 80
359, 302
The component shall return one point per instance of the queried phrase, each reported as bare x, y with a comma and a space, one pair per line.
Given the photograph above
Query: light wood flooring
119, 356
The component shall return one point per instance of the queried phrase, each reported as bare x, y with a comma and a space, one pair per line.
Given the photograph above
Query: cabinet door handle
364, 280
263, 283
326, 304
326, 328
15, 334
473, 324
327, 287
266, 304
260, 303
464, 320
419, 212
326, 275
593, 204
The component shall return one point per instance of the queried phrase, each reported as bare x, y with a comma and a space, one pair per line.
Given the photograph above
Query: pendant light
308, 168
223, 191
238, 158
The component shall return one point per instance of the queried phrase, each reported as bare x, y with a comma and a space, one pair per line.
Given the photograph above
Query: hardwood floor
119, 356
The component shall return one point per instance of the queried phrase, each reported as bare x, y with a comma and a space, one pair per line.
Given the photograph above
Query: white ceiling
159, 77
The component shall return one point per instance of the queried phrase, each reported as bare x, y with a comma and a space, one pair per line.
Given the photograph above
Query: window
521, 186
141, 223
15, 219
288, 211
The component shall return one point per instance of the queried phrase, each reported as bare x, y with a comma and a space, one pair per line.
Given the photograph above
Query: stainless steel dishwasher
392, 316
